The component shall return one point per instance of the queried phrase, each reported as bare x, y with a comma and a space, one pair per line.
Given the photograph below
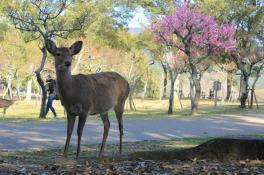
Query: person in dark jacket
52, 95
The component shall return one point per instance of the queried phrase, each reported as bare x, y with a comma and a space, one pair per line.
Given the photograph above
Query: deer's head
63, 55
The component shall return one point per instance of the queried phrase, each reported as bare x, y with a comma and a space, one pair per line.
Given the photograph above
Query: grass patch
29, 110
50, 161
111, 150
158, 109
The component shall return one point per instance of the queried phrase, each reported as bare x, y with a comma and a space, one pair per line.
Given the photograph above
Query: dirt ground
51, 162
26, 165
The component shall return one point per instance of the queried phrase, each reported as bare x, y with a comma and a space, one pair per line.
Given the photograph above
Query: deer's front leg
70, 126
82, 120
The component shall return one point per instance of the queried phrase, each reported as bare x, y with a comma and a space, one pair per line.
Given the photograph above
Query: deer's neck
64, 82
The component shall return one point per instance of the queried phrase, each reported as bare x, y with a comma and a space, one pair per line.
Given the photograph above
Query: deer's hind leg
106, 123
119, 110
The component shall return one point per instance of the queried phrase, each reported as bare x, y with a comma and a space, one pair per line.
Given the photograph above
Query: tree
157, 7
257, 70
43, 20
155, 52
230, 69
153, 9
198, 36
14, 57
248, 19
216, 8
130, 44
176, 64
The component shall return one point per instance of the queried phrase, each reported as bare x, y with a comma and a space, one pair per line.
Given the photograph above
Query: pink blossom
206, 35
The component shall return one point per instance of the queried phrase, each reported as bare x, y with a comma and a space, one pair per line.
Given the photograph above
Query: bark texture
165, 81
173, 77
244, 91
229, 85
40, 81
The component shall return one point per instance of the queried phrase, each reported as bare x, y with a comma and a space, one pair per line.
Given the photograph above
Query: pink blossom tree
198, 36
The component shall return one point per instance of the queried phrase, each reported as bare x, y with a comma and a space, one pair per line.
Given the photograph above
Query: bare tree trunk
179, 98
229, 85
130, 98
29, 89
244, 90
195, 78
29, 83
254, 84
165, 76
9, 87
195, 90
37, 93
197, 96
240, 87
251, 98
145, 90
75, 70
131, 102
4, 92
173, 77
18, 90
41, 83
150, 94
191, 93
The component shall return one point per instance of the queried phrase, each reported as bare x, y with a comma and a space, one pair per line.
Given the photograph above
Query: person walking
52, 95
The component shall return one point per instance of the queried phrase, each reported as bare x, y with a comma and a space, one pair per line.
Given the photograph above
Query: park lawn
51, 159
158, 109
111, 150
29, 110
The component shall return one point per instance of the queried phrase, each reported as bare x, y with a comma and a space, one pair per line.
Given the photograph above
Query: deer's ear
51, 46
76, 47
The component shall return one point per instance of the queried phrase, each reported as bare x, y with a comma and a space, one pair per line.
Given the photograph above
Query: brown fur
5, 104
83, 95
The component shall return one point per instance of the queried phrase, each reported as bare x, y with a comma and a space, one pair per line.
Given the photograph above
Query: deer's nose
67, 63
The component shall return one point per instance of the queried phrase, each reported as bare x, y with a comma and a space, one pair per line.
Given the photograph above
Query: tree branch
24, 24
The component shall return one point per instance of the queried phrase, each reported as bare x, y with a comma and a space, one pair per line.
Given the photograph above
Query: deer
5, 104
91, 94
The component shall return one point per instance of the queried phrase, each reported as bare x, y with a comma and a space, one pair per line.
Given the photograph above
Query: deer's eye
58, 54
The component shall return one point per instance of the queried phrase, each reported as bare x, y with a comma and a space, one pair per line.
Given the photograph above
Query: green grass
90, 151
29, 110
158, 109
111, 150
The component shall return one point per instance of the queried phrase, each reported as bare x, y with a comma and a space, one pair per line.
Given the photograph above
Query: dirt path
34, 135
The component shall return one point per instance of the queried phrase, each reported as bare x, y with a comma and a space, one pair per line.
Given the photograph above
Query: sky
138, 20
